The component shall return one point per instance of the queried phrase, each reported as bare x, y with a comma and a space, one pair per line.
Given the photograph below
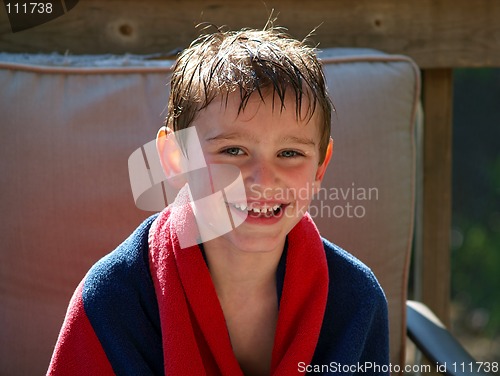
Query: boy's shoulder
355, 323
120, 303
349, 274
129, 260
120, 277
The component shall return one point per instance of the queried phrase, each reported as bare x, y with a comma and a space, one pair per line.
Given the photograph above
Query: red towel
195, 337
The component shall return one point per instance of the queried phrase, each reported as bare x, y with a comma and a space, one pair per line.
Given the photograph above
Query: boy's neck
238, 273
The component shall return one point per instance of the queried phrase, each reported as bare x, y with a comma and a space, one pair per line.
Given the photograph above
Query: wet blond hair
249, 62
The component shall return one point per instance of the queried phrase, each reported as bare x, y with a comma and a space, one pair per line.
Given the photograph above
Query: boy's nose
262, 175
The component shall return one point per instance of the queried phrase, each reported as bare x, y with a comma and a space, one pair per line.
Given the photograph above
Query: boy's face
278, 156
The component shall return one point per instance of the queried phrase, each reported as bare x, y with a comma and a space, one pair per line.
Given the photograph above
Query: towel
195, 338
150, 308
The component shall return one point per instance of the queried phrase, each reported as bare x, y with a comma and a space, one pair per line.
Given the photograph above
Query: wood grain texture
435, 33
437, 100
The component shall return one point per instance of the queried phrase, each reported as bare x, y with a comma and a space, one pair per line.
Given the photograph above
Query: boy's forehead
232, 108
261, 119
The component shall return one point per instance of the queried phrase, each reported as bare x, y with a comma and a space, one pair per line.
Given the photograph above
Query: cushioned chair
69, 125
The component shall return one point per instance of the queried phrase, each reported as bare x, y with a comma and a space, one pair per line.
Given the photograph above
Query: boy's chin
250, 240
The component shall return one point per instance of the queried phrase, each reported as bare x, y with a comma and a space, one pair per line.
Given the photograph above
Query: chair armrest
432, 338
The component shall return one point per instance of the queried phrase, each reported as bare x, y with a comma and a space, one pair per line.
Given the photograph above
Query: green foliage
475, 271
476, 193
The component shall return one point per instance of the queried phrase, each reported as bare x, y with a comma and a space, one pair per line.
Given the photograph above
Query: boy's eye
233, 151
289, 154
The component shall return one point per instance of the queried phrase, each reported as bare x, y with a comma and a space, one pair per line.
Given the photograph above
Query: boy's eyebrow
232, 136
298, 140
235, 135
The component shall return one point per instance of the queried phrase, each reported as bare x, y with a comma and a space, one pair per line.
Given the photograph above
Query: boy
268, 297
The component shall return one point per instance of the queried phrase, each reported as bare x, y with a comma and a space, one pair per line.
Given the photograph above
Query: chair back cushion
366, 204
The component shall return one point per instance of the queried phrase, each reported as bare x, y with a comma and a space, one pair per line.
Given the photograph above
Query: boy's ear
320, 173
170, 156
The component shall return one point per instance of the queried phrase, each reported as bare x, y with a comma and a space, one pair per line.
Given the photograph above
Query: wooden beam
437, 101
435, 33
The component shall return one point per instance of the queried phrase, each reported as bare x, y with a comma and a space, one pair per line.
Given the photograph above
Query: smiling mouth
266, 211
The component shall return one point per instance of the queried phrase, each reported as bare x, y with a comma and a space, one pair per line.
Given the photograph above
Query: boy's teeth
264, 210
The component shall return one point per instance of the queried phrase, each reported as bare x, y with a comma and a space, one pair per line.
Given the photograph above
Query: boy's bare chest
252, 325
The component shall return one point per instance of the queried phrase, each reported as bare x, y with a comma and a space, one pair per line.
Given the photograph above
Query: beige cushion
370, 182
68, 126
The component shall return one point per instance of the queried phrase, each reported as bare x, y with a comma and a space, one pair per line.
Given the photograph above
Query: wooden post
437, 101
